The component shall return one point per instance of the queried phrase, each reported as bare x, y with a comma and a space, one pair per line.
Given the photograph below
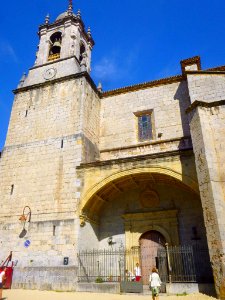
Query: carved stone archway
96, 196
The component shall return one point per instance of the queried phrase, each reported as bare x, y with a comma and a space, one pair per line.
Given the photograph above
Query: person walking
155, 283
2, 278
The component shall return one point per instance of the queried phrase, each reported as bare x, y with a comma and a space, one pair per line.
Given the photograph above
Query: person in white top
137, 272
155, 283
2, 277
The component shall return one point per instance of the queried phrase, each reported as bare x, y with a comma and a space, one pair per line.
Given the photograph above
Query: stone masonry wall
206, 87
119, 125
44, 178
90, 123
46, 112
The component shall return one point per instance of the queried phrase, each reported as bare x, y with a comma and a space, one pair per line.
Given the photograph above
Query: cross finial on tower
70, 7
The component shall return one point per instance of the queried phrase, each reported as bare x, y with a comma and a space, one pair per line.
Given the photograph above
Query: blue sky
136, 41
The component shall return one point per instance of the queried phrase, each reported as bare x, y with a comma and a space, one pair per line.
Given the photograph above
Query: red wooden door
150, 242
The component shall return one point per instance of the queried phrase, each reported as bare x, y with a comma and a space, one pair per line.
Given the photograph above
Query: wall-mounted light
110, 241
25, 218
160, 134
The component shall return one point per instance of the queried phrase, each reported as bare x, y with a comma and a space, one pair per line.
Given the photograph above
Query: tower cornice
61, 79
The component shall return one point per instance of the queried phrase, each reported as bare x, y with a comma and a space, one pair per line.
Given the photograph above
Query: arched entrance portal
140, 211
150, 242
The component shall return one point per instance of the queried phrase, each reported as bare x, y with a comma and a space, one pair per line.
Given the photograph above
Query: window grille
145, 127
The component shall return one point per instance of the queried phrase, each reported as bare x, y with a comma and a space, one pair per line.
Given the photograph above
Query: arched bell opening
55, 46
82, 52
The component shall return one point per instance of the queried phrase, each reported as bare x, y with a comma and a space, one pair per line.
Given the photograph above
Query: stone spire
47, 19
99, 88
89, 31
70, 7
79, 13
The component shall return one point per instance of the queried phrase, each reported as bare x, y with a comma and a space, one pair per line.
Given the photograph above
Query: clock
50, 73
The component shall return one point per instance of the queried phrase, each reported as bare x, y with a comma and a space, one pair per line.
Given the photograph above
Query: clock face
50, 73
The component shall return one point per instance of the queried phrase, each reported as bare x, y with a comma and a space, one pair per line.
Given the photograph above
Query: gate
185, 264
180, 264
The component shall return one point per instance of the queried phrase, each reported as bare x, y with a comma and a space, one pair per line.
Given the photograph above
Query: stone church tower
53, 128
138, 167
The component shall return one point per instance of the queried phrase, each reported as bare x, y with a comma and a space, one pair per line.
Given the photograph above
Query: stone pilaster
207, 120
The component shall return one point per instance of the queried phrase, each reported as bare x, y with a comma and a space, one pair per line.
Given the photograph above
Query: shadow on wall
182, 95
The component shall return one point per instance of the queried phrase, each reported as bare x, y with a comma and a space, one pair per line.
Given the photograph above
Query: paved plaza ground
45, 295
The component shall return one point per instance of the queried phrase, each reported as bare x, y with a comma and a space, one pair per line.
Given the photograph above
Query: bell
57, 44
56, 47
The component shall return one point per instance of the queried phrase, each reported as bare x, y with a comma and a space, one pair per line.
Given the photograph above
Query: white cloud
171, 69
105, 69
116, 66
6, 50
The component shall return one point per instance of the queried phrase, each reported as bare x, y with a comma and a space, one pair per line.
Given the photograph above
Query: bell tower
64, 49
53, 129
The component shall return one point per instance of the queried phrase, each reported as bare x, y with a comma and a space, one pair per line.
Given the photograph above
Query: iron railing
175, 264
107, 265
203, 267
185, 264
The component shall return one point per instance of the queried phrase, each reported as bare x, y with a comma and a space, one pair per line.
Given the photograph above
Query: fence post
168, 261
98, 268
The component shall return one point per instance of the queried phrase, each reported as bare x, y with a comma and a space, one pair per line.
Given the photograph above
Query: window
145, 128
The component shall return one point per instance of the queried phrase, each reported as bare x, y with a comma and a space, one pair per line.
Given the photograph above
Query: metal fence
107, 265
185, 264
175, 264
202, 264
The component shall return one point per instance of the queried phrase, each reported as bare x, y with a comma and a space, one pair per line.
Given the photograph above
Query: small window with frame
145, 125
